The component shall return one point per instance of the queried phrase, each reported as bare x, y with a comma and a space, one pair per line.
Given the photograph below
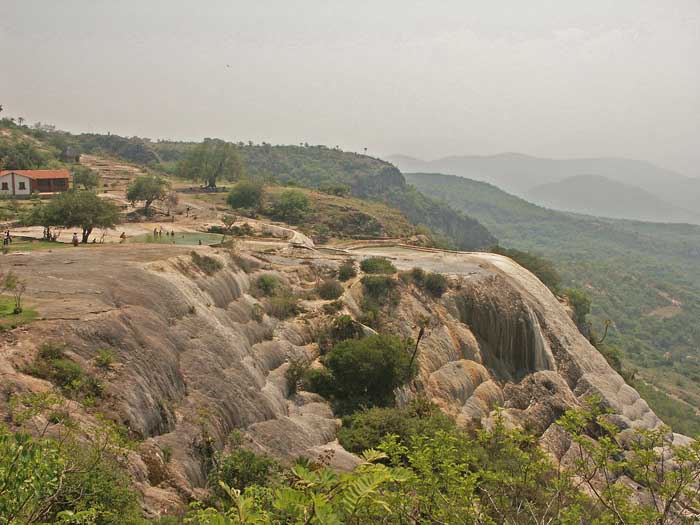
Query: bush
581, 304
379, 288
104, 358
330, 289
103, 486
347, 271
267, 284
435, 283
295, 373
417, 275
367, 428
246, 194
291, 206
541, 267
241, 468
364, 372
52, 364
377, 265
343, 327
319, 380
282, 306
207, 264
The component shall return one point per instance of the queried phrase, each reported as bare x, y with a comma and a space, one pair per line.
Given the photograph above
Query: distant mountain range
608, 187
597, 195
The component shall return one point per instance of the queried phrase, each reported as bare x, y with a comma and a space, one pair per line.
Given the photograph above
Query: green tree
290, 206
85, 177
666, 471
210, 161
81, 209
246, 194
147, 189
581, 304
20, 155
543, 268
63, 479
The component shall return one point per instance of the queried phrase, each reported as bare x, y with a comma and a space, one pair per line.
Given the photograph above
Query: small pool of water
187, 238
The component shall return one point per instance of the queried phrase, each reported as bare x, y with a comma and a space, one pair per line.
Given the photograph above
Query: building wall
19, 180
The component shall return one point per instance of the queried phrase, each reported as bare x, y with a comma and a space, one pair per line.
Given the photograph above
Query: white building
26, 182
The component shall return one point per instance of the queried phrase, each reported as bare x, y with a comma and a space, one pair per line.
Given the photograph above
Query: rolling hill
601, 196
518, 173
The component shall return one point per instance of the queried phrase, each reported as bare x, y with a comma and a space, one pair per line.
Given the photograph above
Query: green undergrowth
9, 319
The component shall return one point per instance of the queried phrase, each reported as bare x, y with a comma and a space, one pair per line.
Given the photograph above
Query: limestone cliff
196, 358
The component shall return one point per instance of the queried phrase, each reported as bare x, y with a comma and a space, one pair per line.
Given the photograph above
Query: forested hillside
362, 176
643, 276
310, 166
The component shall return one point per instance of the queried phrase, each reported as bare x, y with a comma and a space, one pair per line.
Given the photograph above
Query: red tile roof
39, 174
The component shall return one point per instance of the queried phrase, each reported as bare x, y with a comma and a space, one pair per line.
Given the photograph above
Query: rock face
503, 339
196, 358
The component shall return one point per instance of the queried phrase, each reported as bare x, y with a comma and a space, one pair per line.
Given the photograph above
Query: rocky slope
196, 358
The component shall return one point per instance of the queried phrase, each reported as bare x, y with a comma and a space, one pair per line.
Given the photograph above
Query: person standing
75, 240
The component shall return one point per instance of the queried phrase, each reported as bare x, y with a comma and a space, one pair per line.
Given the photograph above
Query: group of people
158, 232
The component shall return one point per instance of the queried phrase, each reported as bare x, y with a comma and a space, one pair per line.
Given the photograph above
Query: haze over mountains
611, 187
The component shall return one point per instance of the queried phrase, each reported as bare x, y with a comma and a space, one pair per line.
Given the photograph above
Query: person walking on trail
75, 240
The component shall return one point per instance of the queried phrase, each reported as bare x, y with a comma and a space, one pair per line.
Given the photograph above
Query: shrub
104, 358
282, 306
330, 289
377, 265
319, 380
581, 304
246, 194
291, 206
52, 364
435, 283
207, 264
295, 374
267, 284
333, 307
347, 271
257, 313
367, 428
364, 372
380, 288
543, 268
418, 275
100, 485
241, 468
343, 327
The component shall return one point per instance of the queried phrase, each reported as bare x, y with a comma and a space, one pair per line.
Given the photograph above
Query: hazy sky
553, 78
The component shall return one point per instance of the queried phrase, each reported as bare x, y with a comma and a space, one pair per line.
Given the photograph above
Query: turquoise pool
187, 238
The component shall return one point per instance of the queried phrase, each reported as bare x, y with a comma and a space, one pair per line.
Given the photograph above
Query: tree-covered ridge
645, 277
317, 167
364, 177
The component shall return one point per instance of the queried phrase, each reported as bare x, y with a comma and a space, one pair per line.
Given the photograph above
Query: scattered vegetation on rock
347, 271
208, 265
329, 289
52, 364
